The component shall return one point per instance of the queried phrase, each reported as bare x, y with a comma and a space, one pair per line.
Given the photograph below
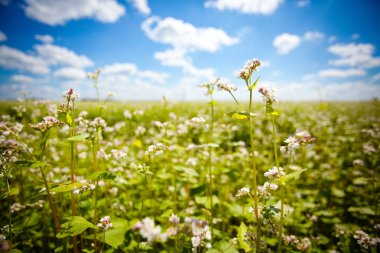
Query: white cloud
303, 3
124, 72
119, 68
251, 7
341, 73
184, 39
54, 12
184, 35
142, 6
56, 55
354, 55
284, 43
3, 37
46, 39
11, 58
376, 77
70, 73
22, 79
313, 36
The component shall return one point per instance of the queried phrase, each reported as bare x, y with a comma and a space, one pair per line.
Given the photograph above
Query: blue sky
146, 49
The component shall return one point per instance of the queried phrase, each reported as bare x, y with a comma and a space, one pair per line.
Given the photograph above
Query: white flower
105, 223
242, 192
155, 150
149, 231
174, 219
225, 86
71, 95
246, 72
195, 241
274, 173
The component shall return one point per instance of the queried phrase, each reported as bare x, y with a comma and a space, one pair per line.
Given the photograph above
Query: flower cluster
197, 121
274, 173
246, 72
365, 241
150, 231
93, 75
302, 245
242, 192
294, 142
47, 123
85, 187
269, 96
266, 189
105, 223
210, 86
225, 86
155, 150
201, 233
70, 95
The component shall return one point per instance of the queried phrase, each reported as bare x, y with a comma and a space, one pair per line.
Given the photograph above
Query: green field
180, 194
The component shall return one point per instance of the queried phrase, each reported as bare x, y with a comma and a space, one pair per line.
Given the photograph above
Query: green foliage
74, 226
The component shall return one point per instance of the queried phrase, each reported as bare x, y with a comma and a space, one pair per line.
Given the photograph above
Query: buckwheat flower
269, 96
127, 114
105, 223
368, 148
377, 227
266, 189
209, 86
195, 241
362, 239
47, 123
2, 238
274, 173
246, 72
117, 154
290, 239
304, 244
225, 86
292, 143
155, 150
94, 75
304, 137
71, 95
242, 192
111, 94
174, 219
191, 162
358, 162
197, 121
149, 230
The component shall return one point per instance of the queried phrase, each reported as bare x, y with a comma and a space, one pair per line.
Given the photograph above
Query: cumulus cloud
46, 39
3, 37
11, 58
354, 55
70, 73
124, 72
141, 5
185, 39
56, 55
250, 7
53, 12
341, 73
184, 35
22, 79
284, 43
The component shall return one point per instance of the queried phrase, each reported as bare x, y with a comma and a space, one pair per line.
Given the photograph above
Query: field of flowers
212, 176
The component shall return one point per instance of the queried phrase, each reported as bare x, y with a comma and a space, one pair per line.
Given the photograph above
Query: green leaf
240, 115
223, 247
114, 236
67, 187
189, 171
205, 201
362, 210
242, 231
68, 119
212, 103
102, 176
208, 145
253, 86
197, 190
294, 175
80, 137
74, 226
360, 181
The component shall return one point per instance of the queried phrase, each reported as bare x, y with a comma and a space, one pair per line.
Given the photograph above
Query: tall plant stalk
211, 136
254, 171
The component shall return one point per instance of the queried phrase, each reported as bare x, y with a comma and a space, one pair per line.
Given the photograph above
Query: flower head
225, 86
242, 192
47, 123
105, 223
94, 75
71, 95
249, 68
269, 96
274, 173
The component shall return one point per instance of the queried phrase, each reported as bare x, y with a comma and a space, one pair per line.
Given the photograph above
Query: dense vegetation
178, 177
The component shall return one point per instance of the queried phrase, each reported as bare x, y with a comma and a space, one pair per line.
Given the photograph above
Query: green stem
234, 98
210, 164
141, 211
253, 163
57, 226
282, 194
95, 161
9, 215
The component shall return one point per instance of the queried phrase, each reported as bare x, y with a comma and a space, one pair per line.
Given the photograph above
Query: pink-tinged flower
249, 68
105, 223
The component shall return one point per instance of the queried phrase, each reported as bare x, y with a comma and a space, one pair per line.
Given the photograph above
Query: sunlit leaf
74, 226
242, 231
240, 115
68, 119
114, 236
80, 137
362, 210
